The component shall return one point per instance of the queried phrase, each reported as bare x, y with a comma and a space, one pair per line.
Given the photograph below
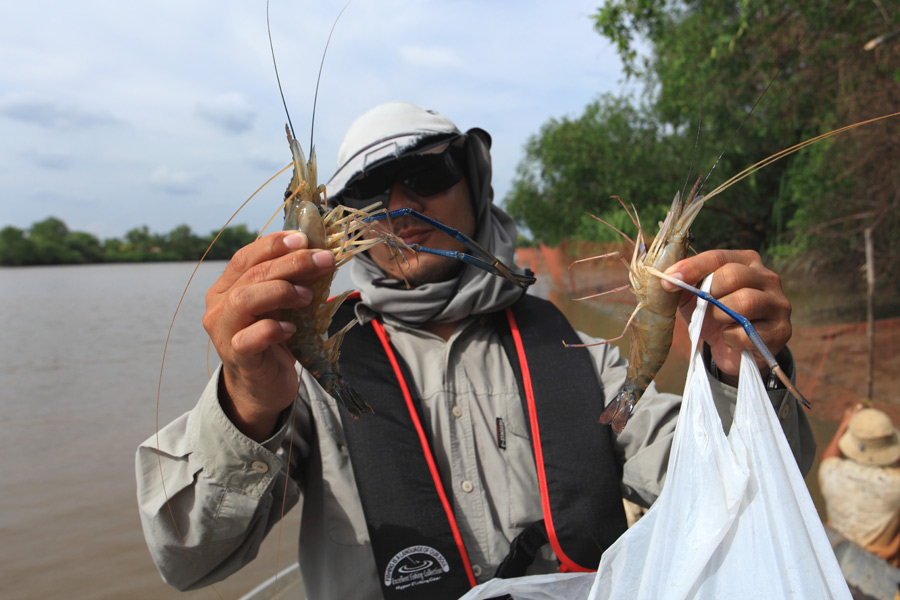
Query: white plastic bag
552, 586
734, 519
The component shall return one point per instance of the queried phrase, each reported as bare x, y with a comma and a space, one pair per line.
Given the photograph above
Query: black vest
410, 518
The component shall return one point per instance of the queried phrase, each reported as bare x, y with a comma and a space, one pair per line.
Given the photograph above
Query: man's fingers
297, 267
695, 268
253, 301
243, 305
263, 250
753, 303
249, 343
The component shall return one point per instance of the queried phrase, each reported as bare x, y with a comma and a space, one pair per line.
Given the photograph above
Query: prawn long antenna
749, 113
739, 127
312, 125
277, 78
697, 144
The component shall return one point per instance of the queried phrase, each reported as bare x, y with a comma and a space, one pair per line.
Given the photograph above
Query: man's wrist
769, 378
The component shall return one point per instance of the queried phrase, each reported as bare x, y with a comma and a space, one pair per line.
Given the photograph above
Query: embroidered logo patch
501, 434
415, 565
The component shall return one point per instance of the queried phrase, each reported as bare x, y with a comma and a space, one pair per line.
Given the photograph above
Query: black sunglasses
426, 175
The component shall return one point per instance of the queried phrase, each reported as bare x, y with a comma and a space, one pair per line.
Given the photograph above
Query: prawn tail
619, 410
341, 391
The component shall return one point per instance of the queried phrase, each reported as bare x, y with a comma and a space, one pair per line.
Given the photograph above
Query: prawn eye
287, 194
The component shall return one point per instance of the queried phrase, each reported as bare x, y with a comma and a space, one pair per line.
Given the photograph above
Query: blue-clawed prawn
652, 323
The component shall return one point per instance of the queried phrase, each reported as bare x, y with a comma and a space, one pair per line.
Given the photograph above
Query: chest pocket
521, 472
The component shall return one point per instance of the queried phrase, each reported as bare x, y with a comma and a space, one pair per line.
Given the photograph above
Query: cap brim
886, 455
385, 151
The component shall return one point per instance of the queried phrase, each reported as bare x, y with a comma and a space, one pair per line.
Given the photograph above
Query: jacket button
259, 466
467, 486
457, 412
785, 409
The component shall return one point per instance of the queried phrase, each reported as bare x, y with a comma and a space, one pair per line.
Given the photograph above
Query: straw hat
871, 439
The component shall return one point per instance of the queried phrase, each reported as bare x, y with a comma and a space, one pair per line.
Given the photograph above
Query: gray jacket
229, 489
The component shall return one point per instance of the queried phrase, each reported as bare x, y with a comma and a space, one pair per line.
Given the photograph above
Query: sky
115, 115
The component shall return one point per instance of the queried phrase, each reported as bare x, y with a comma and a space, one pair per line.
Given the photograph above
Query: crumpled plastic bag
734, 519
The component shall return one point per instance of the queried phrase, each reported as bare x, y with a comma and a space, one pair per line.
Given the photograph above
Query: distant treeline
50, 242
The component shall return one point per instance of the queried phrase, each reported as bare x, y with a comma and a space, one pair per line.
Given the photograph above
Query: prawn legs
477, 257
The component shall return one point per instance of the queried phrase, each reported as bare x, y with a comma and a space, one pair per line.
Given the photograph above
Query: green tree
83, 247
183, 244
142, 245
48, 238
230, 241
574, 166
113, 249
15, 248
831, 70
139, 239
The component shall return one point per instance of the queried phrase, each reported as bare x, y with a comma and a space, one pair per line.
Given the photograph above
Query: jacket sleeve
208, 495
645, 442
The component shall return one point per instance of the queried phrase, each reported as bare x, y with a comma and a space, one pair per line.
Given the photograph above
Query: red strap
426, 449
354, 296
566, 563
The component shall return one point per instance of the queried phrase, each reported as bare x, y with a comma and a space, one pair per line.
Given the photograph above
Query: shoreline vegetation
51, 242
829, 312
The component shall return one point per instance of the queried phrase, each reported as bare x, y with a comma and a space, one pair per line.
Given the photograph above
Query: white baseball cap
386, 133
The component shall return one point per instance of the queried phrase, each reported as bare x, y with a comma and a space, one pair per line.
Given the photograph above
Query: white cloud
53, 113
431, 57
50, 159
230, 112
173, 181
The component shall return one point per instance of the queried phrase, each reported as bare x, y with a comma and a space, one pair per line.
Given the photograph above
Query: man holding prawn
431, 494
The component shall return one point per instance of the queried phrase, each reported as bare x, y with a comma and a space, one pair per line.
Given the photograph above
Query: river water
80, 360
80, 355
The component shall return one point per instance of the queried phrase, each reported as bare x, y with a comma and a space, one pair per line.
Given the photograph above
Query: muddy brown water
80, 355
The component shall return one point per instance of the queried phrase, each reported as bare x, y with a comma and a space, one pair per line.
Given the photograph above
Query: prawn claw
618, 411
338, 389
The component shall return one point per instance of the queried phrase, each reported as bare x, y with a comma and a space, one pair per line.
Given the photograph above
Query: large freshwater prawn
651, 325
345, 232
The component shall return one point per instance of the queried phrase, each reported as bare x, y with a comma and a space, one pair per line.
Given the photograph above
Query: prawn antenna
749, 113
696, 140
277, 78
739, 127
312, 124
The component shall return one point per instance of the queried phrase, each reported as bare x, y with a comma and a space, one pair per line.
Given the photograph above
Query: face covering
473, 291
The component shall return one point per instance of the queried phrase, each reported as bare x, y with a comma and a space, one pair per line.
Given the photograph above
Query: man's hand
243, 320
745, 285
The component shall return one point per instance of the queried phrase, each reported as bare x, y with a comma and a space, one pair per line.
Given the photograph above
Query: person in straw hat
860, 481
